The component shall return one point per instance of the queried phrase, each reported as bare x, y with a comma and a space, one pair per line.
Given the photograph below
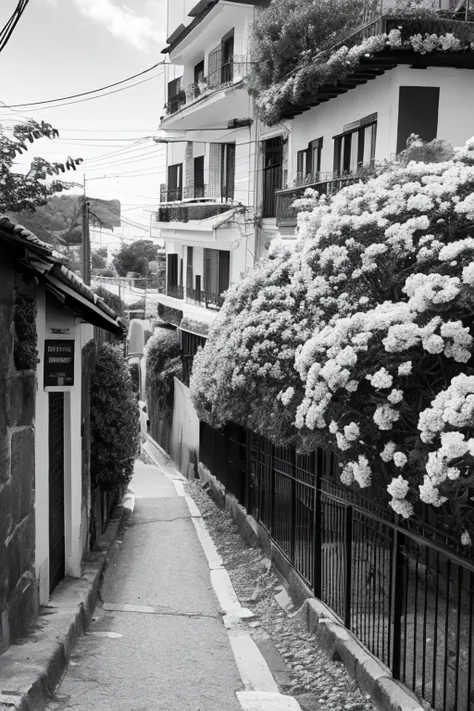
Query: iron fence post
397, 598
272, 488
248, 465
317, 538
293, 501
348, 516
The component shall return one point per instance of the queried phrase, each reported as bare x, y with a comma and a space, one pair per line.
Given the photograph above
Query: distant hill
59, 222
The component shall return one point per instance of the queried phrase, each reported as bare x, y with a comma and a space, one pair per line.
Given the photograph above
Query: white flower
385, 416
333, 427
395, 396
388, 451
287, 395
342, 442
468, 274
466, 539
402, 507
381, 379
405, 368
400, 459
351, 432
398, 488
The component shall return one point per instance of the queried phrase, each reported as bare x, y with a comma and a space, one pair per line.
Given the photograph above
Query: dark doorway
175, 182
57, 549
227, 170
272, 174
227, 72
172, 271
417, 113
199, 177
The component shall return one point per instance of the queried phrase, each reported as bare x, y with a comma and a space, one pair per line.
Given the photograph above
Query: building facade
48, 319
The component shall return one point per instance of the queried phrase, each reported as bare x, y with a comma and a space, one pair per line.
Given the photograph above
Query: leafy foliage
99, 258
135, 257
361, 339
112, 300
59, 221
28, 191
26, 339
163, 363
115, 427
290, 31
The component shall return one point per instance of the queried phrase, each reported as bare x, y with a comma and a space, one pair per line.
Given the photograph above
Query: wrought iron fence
406, 595
186, 211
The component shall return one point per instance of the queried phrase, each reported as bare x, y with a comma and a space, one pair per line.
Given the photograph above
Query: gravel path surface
318, 683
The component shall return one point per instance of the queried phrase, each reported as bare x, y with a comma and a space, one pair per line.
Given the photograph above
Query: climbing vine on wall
25, 353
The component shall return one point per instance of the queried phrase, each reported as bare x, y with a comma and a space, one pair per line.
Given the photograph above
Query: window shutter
214, 67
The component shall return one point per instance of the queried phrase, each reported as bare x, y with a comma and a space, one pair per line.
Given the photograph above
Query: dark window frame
175, 181
305, 156
343, 144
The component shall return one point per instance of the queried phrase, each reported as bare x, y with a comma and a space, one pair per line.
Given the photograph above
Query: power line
87, 93
91, 98
9, 28
138, 158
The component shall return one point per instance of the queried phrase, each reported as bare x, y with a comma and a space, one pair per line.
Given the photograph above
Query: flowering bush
308, 72
360, 339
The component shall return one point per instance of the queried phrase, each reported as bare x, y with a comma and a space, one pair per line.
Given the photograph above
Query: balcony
224, 75
285, 212
199, 297
194, 202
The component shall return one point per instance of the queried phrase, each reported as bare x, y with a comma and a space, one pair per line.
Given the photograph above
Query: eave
370, 68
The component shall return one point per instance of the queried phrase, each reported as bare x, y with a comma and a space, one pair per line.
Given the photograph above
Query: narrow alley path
157, 641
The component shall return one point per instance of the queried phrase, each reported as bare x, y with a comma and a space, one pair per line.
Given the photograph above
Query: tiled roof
20, 235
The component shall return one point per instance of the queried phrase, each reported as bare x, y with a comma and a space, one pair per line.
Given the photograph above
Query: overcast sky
63, 47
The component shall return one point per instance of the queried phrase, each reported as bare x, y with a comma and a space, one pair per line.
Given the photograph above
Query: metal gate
56, 489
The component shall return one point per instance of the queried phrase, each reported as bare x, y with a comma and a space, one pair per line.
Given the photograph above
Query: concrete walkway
157, 641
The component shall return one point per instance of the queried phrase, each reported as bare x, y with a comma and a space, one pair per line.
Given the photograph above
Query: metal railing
227, 73
402, 588
201, 297
285, 212
194, 203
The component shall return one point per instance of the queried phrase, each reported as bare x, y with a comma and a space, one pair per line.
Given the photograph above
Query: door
175, 182
57, 549
198, 78
227, 170
272, 174
227, 73
199, 177
172, 272
189, 272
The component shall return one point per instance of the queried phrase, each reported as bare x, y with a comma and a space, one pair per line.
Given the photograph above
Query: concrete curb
30, 671
372, 676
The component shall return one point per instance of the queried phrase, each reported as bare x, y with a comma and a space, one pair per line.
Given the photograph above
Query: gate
57, 549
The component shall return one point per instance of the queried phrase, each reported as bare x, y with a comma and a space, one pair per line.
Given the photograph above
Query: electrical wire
87, 93
91, 98
9, 27
138, 158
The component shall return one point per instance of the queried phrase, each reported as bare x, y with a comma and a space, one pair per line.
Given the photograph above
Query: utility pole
86, 239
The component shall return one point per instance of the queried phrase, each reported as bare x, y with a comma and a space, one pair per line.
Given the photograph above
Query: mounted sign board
58, 363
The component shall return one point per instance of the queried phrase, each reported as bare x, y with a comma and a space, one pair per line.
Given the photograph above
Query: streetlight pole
86, 239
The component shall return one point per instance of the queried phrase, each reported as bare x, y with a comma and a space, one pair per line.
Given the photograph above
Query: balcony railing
286, 213
225, 74
194, 202
198, 296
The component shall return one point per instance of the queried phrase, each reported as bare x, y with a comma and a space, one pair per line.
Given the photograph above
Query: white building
207, 208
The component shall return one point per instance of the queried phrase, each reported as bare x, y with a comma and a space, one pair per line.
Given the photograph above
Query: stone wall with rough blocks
18, 592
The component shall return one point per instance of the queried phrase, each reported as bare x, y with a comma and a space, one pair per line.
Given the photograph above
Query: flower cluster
360, 339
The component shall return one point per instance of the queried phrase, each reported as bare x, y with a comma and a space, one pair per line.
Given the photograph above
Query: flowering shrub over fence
361, 339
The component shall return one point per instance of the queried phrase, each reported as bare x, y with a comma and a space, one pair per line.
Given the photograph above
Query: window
175, 182
198, 77
176, 97
272, 174
172, 271
189, 268
301, 165
308, 161
227, 73
199, 177
356, 145
418, 108
227, 170
216, 271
